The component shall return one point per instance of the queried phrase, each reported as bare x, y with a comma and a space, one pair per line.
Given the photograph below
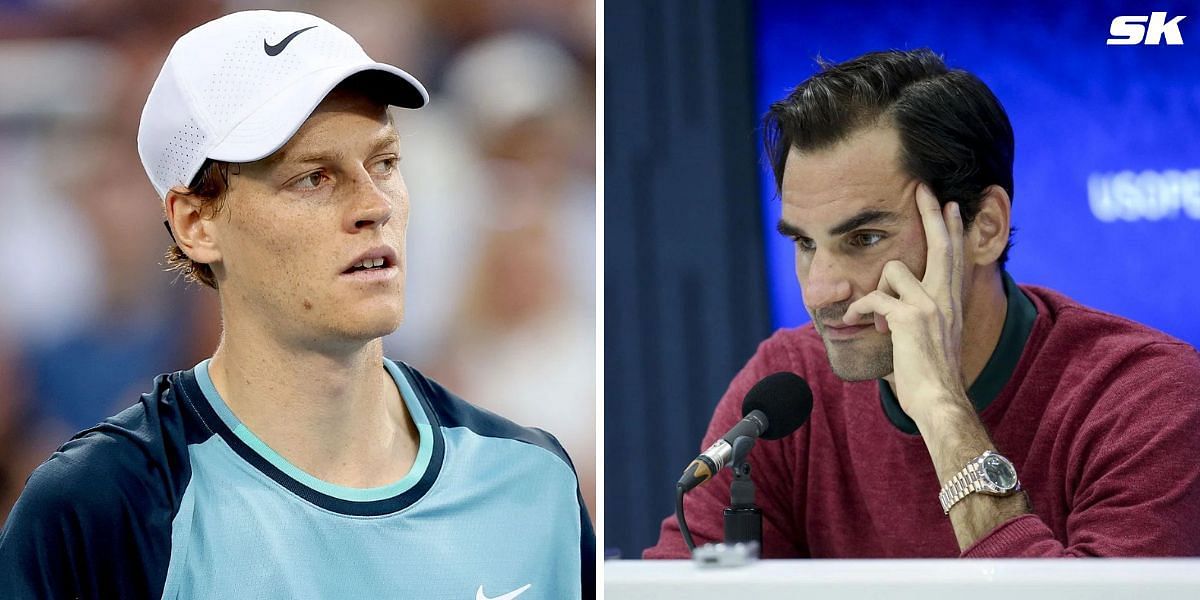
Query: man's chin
860, 360
366, 328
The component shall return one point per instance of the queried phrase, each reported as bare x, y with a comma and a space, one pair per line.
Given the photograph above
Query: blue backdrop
1107, 192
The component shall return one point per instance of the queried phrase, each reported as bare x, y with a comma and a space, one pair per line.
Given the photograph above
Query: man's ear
988, 236
193, 230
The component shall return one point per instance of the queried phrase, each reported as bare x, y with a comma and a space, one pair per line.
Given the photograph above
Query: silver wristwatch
989, 473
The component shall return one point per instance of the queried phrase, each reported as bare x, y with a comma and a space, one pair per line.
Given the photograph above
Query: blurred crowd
500, 167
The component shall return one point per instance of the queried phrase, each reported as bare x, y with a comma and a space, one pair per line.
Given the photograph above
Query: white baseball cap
237, 88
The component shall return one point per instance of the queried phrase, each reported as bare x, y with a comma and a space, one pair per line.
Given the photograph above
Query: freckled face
295, 222
850, 209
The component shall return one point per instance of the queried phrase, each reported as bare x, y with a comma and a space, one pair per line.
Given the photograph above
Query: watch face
1000, 472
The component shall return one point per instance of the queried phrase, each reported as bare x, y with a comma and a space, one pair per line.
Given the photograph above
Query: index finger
938, 259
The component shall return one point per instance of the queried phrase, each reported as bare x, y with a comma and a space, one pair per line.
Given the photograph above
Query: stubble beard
866, 357
862, 359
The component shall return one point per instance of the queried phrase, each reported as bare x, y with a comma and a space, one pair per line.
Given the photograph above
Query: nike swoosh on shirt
479, 595
274, 50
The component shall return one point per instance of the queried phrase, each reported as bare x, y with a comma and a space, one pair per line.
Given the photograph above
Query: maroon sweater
1101, 419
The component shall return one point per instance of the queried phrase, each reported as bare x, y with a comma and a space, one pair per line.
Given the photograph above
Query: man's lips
839, 330
380, 264
383, 254
379, 274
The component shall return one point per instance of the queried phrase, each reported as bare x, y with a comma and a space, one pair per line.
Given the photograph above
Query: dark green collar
1018, 323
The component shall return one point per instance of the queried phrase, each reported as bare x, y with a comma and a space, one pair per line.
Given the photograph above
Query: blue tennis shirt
176, 498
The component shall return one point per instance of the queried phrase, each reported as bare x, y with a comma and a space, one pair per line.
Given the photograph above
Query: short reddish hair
210, 186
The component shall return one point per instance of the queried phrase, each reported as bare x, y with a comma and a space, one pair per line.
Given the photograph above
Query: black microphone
776, 406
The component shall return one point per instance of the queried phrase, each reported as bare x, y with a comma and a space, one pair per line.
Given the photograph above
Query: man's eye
385, 166
805, 244
865, 239
310, 181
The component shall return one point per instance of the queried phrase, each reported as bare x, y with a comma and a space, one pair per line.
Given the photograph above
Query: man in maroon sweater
938, 382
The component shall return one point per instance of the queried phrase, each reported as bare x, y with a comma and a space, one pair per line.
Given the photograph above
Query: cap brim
271, 125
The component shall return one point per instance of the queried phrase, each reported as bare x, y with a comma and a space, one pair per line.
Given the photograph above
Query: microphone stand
743, 519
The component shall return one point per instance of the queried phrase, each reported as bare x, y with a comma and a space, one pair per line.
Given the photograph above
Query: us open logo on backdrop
1145, 195
1131, 30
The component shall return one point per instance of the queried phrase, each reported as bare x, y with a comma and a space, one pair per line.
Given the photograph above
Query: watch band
972, 479
964, 483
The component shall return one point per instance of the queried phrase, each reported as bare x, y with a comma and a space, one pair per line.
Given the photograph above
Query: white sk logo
479, 595
1128, 30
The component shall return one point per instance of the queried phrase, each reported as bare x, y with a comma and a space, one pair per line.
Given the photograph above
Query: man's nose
372, 206
825, 281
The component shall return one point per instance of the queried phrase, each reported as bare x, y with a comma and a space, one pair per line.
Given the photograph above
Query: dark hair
210, 185
954, 134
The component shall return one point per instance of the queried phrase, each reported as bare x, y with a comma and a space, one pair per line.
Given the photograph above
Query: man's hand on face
924, 316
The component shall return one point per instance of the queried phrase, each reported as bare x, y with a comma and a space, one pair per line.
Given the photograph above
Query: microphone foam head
785, 398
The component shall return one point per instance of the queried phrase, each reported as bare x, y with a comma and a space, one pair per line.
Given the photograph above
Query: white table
1057, 579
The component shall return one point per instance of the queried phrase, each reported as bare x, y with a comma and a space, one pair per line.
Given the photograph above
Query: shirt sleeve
587, 551
1133, 481
92, 522
587, 533
778, 479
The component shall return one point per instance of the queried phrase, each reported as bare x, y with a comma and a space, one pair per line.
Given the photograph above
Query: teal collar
425, 447
1018, 323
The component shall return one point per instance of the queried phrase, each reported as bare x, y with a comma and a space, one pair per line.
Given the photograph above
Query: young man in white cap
297, 461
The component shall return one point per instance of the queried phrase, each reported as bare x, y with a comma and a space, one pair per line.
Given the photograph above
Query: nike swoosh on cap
274, 50
479, 595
